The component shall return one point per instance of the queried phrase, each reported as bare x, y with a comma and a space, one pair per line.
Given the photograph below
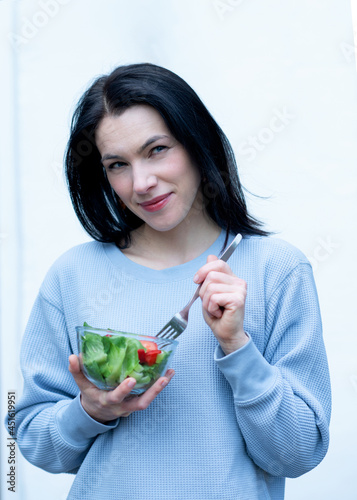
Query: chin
164, 227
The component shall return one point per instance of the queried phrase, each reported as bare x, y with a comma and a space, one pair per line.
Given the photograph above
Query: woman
153, 180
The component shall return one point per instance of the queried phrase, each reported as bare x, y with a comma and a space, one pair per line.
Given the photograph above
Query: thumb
75, 370
74, 366
211, 258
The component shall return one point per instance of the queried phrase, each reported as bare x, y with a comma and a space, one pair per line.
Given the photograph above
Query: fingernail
164, 383
196, 278
131, 383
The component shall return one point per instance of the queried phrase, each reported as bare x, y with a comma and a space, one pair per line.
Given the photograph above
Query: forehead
132, 127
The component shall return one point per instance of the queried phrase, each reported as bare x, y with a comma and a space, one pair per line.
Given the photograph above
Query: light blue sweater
226, 427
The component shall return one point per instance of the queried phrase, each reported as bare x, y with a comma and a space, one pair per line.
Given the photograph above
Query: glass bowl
107, 357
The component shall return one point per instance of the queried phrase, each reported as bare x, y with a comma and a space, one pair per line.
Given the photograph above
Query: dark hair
96, 204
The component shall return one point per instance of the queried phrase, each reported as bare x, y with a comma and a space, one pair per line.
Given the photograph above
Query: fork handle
224, 256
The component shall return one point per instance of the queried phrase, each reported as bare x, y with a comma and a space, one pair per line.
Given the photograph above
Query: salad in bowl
107, 357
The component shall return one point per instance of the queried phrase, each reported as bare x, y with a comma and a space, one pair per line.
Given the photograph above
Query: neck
163, 249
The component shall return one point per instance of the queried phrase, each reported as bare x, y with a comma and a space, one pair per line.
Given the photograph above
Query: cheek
193, 173
193, 179
188, 172
119, 186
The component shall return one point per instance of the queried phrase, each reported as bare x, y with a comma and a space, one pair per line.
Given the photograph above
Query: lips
156, 203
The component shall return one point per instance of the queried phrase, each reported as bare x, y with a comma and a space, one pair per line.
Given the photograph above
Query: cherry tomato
150, 346
142, 356
151, 356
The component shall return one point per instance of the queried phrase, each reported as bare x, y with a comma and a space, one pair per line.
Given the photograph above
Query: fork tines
173, 328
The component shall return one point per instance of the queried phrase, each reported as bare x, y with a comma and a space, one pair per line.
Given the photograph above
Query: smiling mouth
156, 203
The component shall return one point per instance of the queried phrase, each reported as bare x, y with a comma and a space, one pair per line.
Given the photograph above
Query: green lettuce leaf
93, 349
131, 360
112, 369
94, 370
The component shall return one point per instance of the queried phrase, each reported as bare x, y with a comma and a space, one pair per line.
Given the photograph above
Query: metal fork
178, 323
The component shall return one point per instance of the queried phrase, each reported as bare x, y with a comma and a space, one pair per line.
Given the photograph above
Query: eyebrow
140, 150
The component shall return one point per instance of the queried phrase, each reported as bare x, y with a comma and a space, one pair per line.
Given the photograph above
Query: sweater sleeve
53, 430
282, 396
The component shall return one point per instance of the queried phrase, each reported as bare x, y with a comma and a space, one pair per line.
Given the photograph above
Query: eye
115, 166
158, 149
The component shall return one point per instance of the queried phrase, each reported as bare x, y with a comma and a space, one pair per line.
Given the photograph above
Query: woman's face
148, 169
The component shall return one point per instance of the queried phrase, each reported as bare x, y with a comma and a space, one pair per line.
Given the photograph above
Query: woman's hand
104, 406
223, 300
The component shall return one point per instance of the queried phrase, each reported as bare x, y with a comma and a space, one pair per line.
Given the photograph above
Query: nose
143, 179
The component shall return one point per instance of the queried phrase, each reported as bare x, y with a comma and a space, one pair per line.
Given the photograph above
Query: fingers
213, 264
104, 406
220, 287
118, 394
144, 400
223, 301
216, 273
215, 297
223, 298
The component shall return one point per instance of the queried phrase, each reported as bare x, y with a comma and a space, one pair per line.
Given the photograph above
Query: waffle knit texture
226, 427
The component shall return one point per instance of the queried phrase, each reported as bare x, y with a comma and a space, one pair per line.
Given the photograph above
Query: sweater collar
175, 273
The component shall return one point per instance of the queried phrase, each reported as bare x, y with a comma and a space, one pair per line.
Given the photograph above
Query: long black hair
97, 206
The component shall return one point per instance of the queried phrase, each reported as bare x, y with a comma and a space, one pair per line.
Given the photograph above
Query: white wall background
249, 61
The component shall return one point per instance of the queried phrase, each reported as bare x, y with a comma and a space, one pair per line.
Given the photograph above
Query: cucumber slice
162, 356
138, 376
145, 380
139, 368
